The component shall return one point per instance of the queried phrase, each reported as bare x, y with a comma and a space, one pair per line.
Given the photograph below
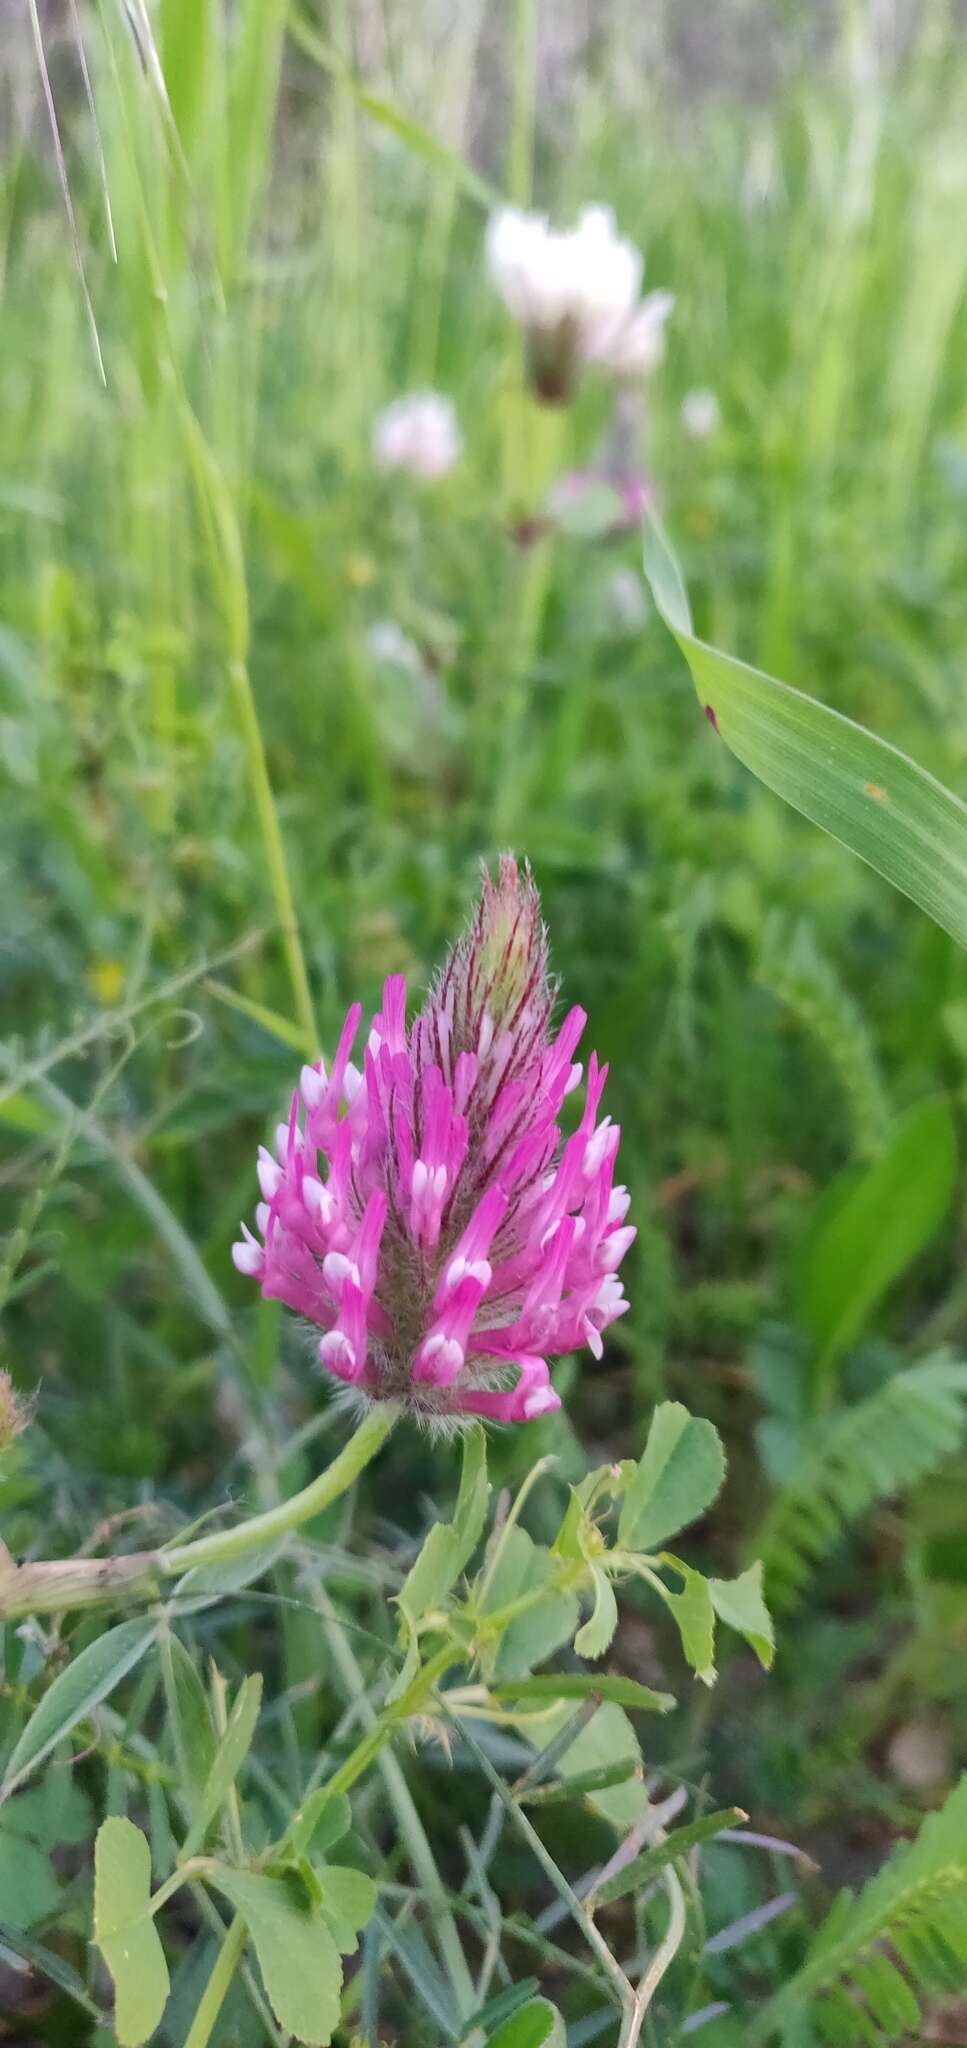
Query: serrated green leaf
29, 1891
678, 1476
296, 1953
694, 1617
741, 1604
647, 1866
74, 1694
125, 1932
595, 1637
538, 2025
866, 1240
55, 1813
347, 1900
229, 1757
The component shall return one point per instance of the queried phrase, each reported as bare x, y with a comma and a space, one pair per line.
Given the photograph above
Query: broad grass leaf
647, 1866
677, 1477
229, 1757
740, 1603
296, 1953
864, 792
865, 1240
538, 2025
91, 1677
125, 1932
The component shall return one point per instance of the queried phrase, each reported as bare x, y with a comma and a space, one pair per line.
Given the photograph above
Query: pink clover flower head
422, 1209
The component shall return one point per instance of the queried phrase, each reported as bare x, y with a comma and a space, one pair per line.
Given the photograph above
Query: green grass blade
857, 787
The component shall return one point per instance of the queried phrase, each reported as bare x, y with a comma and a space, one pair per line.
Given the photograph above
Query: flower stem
48, 1587
218, 1985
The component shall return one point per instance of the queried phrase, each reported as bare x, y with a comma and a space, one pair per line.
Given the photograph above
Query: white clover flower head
701, 414
572, 290
387, 643
419, 435
575, 293
638, 347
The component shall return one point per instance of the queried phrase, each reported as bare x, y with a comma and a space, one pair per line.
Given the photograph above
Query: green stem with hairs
50, 1586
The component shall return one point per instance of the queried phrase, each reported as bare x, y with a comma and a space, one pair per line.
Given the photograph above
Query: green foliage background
299, 235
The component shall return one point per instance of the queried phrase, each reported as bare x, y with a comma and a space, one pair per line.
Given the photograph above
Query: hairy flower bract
423, 1209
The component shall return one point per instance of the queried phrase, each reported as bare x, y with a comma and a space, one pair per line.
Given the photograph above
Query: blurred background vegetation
298, 195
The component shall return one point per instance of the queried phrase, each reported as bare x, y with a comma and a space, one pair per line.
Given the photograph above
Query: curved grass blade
857, 787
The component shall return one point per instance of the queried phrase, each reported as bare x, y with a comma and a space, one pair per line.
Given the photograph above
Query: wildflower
422, 1210
388, 643
600, 503
418, 434
640, 346
701, 414
575, 294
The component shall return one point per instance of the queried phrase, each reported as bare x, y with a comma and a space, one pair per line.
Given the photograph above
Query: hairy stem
50, 1586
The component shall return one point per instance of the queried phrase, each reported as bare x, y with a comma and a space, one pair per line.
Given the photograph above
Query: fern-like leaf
874, 1450
880, 1954
792, 968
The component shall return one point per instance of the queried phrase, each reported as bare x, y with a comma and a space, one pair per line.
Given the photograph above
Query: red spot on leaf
710, 715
